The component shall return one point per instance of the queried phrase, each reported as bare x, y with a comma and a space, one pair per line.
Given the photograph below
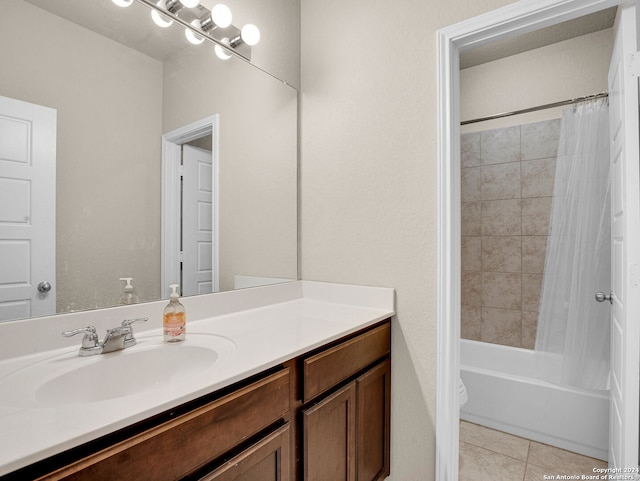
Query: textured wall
257, 158
368, 181
556, 72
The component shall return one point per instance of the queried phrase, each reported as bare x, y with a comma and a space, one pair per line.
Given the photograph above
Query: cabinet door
373, 415
329, 437
267, 460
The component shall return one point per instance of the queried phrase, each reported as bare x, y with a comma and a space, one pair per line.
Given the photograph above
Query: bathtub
504, 395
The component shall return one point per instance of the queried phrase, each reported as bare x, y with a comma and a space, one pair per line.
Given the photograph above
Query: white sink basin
152, 364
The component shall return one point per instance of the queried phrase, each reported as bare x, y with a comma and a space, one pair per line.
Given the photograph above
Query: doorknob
44, 287
601, 297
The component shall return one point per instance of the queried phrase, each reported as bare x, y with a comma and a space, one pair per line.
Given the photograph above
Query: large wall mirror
166, 164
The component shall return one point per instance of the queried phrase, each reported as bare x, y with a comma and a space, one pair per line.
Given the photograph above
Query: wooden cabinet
329, 432
346, 432
323, 416
266, 460
373, 412
178, 447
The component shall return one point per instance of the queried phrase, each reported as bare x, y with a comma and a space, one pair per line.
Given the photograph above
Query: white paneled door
198, 269
27, 209
625, 231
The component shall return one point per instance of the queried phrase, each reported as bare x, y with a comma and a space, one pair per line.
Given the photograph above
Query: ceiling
539, 38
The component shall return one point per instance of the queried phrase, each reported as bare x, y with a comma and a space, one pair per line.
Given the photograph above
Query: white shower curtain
573, 338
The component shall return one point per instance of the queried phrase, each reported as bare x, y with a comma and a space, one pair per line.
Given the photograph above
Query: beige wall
257, 158
368, 181
562, 71
108, 178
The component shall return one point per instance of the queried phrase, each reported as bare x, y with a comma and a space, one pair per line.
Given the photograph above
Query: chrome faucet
115, 339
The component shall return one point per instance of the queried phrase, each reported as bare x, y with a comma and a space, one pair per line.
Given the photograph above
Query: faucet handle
129, 339
90, 338
128, 322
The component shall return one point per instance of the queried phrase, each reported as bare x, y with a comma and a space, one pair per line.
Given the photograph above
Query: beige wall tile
500, 145
472, 253
529, 329
507, 187
470, 149
471, 218
470, 183
502, 290
537, 177
536, 213
531, 289
501, 181
501, 217
471, 288
534, 249
470, 322
501, 254
502, 326
540, 139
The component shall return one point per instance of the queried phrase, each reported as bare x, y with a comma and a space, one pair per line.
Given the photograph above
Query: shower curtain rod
534, 109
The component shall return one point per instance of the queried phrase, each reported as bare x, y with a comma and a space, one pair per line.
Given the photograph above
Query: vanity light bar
201, 23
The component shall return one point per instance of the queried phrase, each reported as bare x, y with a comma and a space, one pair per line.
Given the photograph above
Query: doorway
503, 23
190, 199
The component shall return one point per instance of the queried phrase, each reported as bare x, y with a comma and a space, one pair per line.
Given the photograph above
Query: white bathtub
504, 395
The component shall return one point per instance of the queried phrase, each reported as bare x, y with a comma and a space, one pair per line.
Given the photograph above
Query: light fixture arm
236, 41
208, 27
207, 24
174, 6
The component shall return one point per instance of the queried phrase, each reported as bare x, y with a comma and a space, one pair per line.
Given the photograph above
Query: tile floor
489, 455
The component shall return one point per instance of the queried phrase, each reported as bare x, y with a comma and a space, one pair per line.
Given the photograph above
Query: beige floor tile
559, 461
497, 441
478, 464
536, 473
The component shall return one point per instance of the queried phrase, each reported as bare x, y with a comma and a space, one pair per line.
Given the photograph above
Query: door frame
171, 199
520, 17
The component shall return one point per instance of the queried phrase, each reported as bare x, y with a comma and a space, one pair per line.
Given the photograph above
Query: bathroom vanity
299, 390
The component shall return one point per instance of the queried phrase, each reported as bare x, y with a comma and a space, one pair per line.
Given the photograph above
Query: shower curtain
573, 337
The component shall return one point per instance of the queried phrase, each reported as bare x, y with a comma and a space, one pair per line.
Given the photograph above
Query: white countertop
265, 326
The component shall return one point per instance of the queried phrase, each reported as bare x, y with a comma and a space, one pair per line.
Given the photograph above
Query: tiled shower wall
507, 187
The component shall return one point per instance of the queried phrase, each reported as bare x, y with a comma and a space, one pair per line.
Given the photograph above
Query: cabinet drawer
267, 460
179, 446
324, 370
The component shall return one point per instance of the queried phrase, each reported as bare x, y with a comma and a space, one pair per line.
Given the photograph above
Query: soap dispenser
174, 318
128, 297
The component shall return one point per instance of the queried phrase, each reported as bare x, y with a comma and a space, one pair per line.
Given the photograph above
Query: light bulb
122, 3
159, 19
221, 15
221, 53
190, 3
250, 34
194, 38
